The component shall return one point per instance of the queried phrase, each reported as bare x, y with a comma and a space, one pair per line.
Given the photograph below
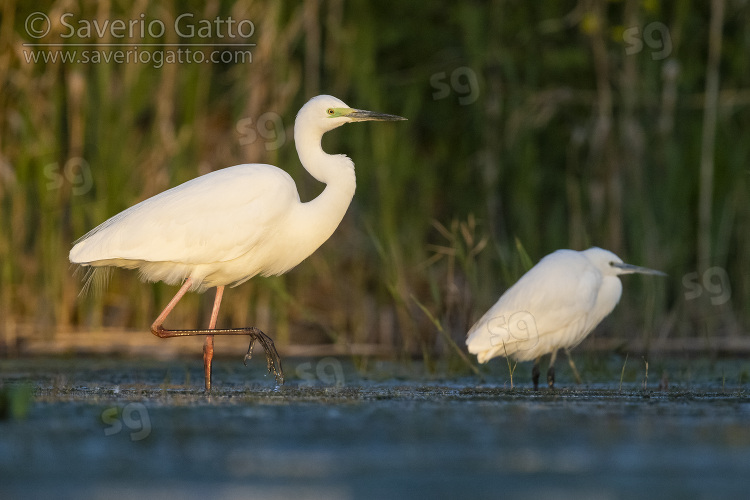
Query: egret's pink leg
156, 327
208, 346
272, 356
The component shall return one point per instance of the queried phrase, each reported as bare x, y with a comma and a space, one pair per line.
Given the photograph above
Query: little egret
555, 305
227, 226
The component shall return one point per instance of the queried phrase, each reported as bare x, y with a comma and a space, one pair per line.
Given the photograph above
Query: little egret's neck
322, 215
609, 295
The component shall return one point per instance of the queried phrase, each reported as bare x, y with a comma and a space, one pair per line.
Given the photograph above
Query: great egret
555, 305
227, 226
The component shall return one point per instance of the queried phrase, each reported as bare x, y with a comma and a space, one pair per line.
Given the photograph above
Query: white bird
555, 305
227, 226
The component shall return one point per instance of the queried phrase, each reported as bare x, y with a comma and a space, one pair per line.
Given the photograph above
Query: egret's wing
213, 218
553, 298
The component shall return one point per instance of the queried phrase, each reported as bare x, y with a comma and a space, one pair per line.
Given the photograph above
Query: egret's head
326, 112
611, 265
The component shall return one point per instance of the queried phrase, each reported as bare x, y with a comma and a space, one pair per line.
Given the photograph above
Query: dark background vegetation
532, 126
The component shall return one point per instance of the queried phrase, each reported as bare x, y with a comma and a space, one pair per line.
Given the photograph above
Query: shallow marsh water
122, 428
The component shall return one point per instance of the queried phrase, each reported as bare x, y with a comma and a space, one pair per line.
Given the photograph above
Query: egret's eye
611, 263
331, 112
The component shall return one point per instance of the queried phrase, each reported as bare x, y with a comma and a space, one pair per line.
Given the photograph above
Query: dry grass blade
445, 336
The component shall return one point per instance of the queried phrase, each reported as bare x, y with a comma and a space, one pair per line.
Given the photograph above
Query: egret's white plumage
227, 226
555, 305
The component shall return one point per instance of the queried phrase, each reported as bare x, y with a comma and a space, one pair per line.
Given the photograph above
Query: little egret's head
325, 112
611, 265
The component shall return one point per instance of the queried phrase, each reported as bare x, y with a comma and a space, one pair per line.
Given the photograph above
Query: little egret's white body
555, 305
227, 226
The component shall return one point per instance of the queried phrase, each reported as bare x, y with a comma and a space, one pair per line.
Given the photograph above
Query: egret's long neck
321, 216
609, 295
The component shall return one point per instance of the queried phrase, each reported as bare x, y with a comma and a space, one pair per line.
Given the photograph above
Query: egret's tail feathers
487, 355
98, 277
514, 350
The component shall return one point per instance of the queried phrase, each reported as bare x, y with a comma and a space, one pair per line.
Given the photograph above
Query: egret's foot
551, 377
535, 376
272, 356
249, 354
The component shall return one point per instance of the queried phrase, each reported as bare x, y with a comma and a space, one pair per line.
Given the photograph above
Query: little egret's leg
551, 370
272, 356
573, 366
535, 373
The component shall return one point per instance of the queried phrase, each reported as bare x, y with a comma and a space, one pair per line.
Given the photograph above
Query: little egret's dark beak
631, 269
360, 115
